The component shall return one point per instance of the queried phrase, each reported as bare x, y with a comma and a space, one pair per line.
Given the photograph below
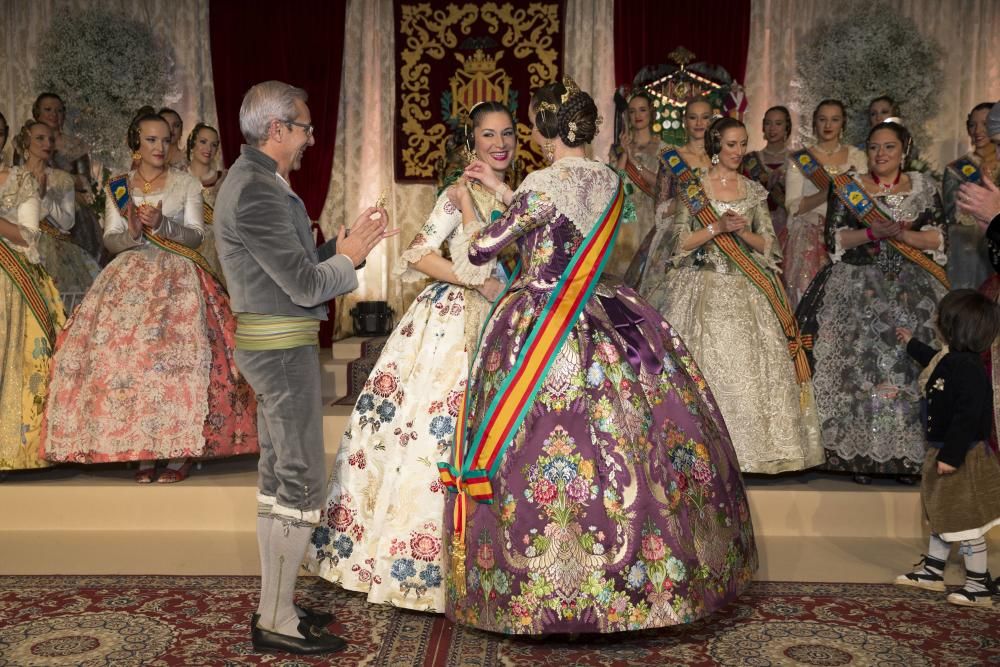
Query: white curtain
968, 32
184, 24
363, 156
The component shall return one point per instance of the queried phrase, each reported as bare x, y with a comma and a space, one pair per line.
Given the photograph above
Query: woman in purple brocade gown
617, 503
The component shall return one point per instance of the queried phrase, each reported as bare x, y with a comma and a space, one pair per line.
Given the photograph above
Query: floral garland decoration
105, 66
869, 51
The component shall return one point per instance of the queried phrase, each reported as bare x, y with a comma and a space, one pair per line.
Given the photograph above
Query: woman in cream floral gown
729, 324
381, 529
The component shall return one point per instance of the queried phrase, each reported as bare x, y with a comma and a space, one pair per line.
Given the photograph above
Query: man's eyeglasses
307, 127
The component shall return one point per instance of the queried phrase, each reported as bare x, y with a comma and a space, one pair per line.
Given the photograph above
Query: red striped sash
13, 264
697, 202
866, 210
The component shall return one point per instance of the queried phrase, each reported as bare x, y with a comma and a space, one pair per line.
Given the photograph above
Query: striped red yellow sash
46, 227
812, 169
476, 461
694, 198
208, 213
119, 192
866, 210
634, 175
13, 264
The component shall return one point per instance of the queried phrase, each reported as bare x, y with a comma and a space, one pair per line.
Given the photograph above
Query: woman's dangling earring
470, 155
840, 137
715, 158
136, 156
549, 152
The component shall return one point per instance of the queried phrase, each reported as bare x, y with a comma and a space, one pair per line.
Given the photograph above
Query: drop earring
470, 155
549, 152
715, 158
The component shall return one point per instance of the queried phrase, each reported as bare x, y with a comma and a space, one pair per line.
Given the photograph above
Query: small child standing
960, 491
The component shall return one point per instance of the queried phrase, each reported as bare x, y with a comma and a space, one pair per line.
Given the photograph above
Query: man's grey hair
265, 102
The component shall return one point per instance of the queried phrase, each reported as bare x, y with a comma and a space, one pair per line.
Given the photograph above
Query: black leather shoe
314, 641
319, 619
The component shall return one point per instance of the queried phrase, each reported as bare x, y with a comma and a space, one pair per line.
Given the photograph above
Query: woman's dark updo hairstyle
579, 109
36, 108
464, 134
713, 137
885, 98
141, 116
788, 118
901, 133
829, 103
979, 107
193, 137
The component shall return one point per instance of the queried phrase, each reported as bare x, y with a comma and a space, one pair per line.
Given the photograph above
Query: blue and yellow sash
866, 210
692, 194
812, 169
967, 169
118, 190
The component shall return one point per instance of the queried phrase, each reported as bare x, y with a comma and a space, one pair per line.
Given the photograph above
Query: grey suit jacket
266, 247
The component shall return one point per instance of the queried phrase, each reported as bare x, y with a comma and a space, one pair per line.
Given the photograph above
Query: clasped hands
888, 229
366, 233
982, 202
733, 223
145, 216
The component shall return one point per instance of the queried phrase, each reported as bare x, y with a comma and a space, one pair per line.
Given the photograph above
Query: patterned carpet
161, 621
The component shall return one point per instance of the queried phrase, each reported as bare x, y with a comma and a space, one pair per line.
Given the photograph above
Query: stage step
96, 520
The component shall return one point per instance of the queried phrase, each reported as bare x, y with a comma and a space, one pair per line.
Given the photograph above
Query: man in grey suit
279, 284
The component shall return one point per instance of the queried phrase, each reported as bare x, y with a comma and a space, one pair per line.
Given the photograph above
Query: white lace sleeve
469, 273
443, 220
761, 224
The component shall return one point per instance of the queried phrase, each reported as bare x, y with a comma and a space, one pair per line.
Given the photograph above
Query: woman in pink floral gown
144, 369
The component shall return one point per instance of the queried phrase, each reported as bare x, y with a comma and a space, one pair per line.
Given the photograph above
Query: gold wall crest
478, 79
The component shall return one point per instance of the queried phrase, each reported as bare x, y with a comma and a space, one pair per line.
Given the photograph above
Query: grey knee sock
264, 523
974, 552
286, 548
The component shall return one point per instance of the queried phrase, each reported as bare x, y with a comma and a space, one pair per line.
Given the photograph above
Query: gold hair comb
380, 202
571, 89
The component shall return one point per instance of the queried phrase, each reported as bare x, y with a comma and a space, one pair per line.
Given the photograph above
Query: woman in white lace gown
382, 525
887, 272
728, 323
